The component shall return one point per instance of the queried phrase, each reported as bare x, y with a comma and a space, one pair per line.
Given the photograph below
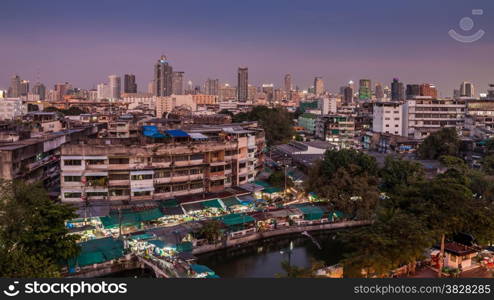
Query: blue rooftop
177, 133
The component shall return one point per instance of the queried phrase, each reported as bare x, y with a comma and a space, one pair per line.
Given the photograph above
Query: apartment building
423, 116
164, 163
36, 158
387, 117
338, 130
479, 121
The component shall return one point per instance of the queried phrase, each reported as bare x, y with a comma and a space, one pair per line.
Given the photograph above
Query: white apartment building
328, 105
11, 108
388, 118
167, 104
423, 116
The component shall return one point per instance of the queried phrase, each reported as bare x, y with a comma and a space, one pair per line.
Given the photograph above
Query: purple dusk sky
83, 42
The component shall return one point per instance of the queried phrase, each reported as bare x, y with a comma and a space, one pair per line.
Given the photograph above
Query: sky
83, 42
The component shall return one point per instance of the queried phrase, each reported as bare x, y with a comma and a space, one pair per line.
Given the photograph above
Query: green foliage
442, 142
277, 123
210, 230
399, 172
488, 164
346, 179
72, 111
277, 179
33, 225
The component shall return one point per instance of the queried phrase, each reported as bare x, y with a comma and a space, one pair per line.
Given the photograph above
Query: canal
263, 258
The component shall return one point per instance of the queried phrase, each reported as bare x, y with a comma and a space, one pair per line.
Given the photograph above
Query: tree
442, 142
210, 230
277, 179
347, 180
276, 122
399, 172
33, 225
488, 164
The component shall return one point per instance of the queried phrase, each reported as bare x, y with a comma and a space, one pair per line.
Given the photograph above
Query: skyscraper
15, 87
428, 90
178, 83
163, 74
115, 86
365, 89
130, 86
212, 86
467, 89
243, 84
348, 93
268, 89
318, 86
40, 90
413, 90
288, 82
61, 90
379, 92
397, 90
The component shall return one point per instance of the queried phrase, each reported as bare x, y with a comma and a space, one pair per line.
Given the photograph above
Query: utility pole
119, 222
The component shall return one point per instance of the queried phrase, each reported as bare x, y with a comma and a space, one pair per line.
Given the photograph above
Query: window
72, 162
119, 192
180, 187
141, 177
119, 160
95, 162
195, 171
97, 194
181, 158
72, 195
145, 193
162, 174
217, 169
119, 176
181, 172
161, 159
217, 183
72, 178
241, 165
198, 156
162, 189
196, 185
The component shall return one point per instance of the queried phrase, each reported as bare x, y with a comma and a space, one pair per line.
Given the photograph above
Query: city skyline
304, 40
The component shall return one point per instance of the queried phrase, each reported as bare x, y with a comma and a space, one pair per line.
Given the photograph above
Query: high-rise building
490, 92
268, 89
163, 74
61, 89
15, 87
130, 86
24, 88
428, 90
467, 89
413, 91
40, 90
288, 83
252, 92
178, 83
318, 86
397, 90
115, 86
348, 93
103, 91
379, 91
243, 84
212, 86
365, 89
226, 92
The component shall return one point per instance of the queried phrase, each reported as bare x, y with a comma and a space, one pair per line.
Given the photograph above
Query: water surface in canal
263, 258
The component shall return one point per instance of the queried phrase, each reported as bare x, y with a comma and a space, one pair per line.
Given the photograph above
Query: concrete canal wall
237, 242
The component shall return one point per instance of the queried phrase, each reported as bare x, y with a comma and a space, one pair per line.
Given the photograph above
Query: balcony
121, 182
